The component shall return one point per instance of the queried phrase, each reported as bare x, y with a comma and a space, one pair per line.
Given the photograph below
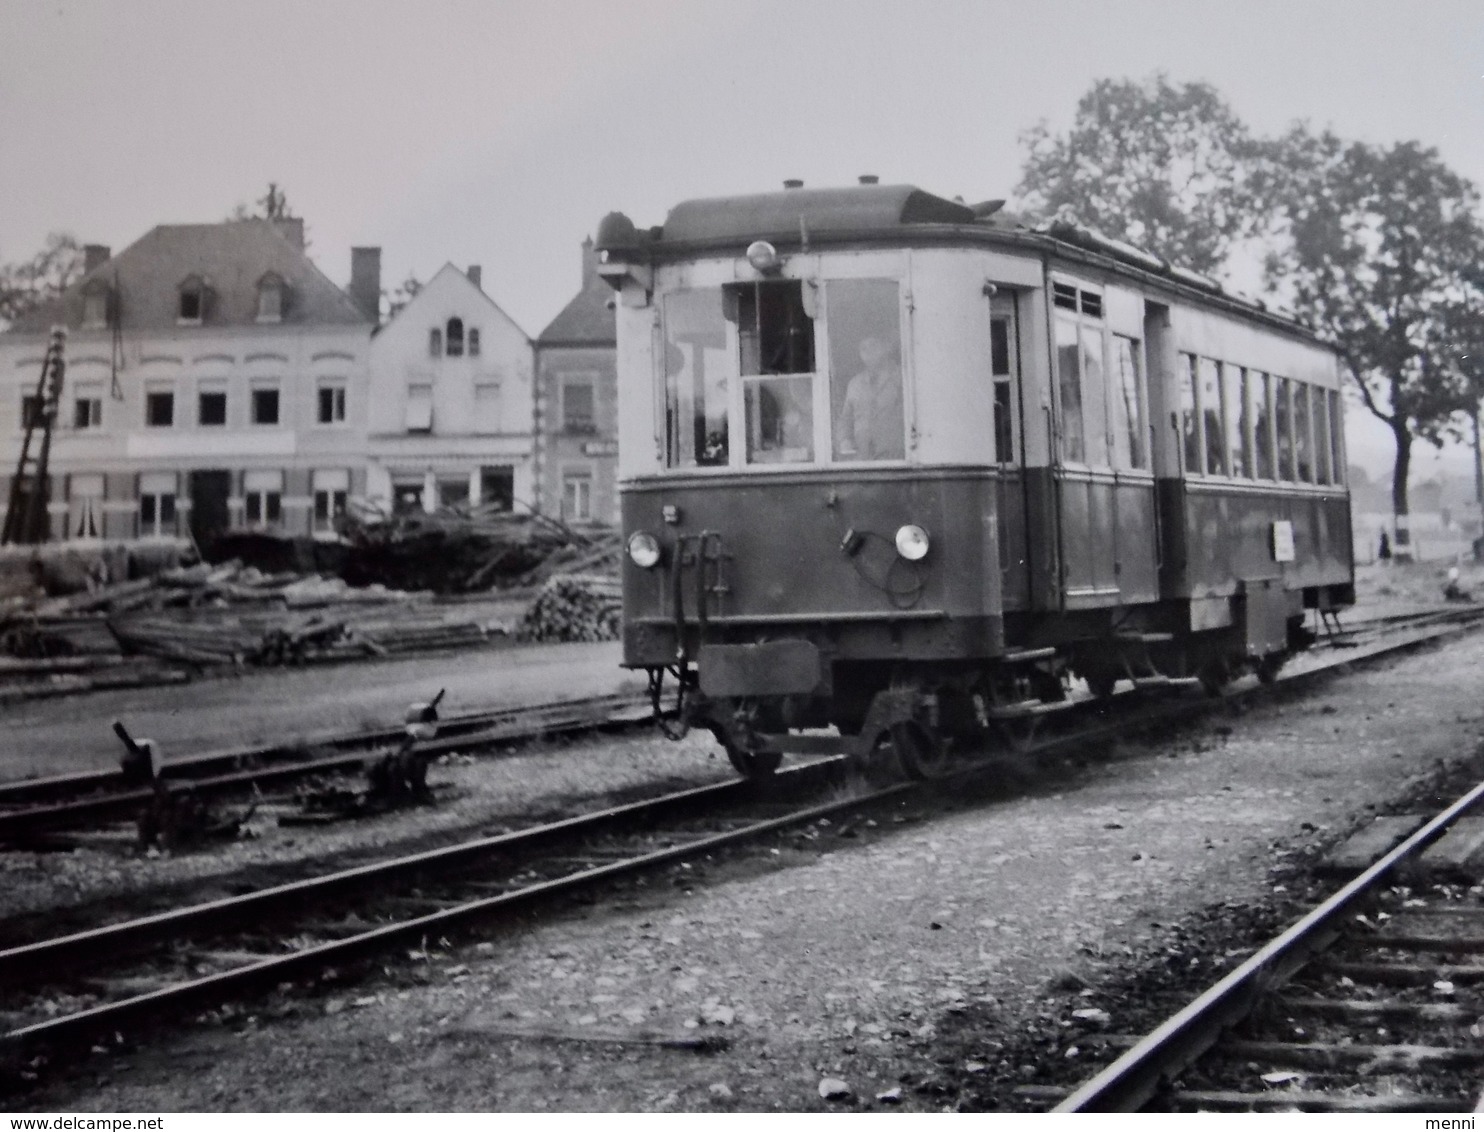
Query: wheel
1100, 682
921, 753
1213, 677
753, 764
1268, 666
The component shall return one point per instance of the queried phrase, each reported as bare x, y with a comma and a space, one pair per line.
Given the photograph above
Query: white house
450, 409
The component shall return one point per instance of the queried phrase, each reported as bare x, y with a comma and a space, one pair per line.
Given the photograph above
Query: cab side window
865, 342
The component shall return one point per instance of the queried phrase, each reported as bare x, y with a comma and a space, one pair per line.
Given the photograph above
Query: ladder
26, 514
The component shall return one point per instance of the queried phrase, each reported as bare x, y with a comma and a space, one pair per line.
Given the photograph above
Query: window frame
1081, 306
590, 385
254, 416
336, 388
152, 399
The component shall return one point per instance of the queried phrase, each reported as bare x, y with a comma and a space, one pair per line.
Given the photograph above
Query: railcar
897, 470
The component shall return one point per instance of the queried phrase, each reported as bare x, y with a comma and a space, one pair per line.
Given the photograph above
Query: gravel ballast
853, 952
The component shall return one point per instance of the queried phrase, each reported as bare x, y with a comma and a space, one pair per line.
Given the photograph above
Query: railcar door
1007, 448
1104, 487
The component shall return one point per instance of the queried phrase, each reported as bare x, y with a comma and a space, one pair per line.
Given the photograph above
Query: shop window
497, 487
262, 496
453, 491
85, 505
869, 420
331, 488
157, 504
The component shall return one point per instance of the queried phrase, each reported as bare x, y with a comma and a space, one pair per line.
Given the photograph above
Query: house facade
215, 379
577, 405
450, 417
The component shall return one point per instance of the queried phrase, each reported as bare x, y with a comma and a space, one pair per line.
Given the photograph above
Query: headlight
644, 550
912, 543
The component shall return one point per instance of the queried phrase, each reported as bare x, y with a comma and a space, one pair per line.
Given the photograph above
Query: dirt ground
899, 953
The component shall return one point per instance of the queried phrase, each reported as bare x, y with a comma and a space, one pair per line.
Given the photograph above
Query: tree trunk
1399, 481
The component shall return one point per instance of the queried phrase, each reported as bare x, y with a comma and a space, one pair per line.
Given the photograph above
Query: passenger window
1125, 405
1336, 439
1208, 392
1321, 436
775, 335
1094, 396
1069, 382
1302, 436
1262, 424
1004, 402
695, 367
1239, 427
1189, 422
1283, 420
865, 341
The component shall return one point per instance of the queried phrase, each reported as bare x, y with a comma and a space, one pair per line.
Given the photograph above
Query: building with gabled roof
451, 407
577, 405
215, 379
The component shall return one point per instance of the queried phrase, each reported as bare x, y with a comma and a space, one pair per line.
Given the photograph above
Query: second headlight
644, 550
912, 542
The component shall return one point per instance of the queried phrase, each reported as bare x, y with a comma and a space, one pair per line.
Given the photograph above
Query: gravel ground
485, 794
863, 952
279, 705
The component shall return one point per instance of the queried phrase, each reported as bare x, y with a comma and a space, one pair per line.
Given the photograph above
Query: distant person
1384, 554
872, 423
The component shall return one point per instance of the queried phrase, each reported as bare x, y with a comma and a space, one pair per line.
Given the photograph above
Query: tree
1381, 253
1166, 168
403, 295
25, 286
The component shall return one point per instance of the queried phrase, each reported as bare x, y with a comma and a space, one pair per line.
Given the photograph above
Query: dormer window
192, 308
455, 332
95, 305
270, 298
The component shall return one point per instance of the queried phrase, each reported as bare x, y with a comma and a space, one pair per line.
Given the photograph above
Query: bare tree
26, 285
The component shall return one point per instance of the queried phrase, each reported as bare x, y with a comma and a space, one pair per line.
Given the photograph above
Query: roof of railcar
795, 217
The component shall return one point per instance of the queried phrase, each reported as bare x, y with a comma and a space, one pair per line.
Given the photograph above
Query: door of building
210, 516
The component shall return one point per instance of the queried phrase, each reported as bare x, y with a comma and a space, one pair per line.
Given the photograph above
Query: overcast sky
499, 133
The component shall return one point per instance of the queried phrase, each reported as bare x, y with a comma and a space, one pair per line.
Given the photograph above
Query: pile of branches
454, 550
574, 607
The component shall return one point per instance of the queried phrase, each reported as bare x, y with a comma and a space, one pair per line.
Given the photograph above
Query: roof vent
870, 179
793, 183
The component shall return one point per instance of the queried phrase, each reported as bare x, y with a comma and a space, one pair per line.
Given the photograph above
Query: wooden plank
1367, 845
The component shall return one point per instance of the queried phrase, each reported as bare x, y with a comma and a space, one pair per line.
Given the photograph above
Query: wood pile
462, 549
574, 607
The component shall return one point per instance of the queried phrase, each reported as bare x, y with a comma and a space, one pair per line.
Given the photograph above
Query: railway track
46, 805
106, 978
1372, 1002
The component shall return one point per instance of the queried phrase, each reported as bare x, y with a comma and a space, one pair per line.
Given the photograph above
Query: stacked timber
574, 607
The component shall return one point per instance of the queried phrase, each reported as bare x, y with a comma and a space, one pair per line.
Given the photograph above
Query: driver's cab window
865, 340
776, 359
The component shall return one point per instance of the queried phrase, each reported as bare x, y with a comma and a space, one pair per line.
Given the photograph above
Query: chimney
365, 281
870, 179
291, 228
793, 183
476, 276
94, 255
589, 261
